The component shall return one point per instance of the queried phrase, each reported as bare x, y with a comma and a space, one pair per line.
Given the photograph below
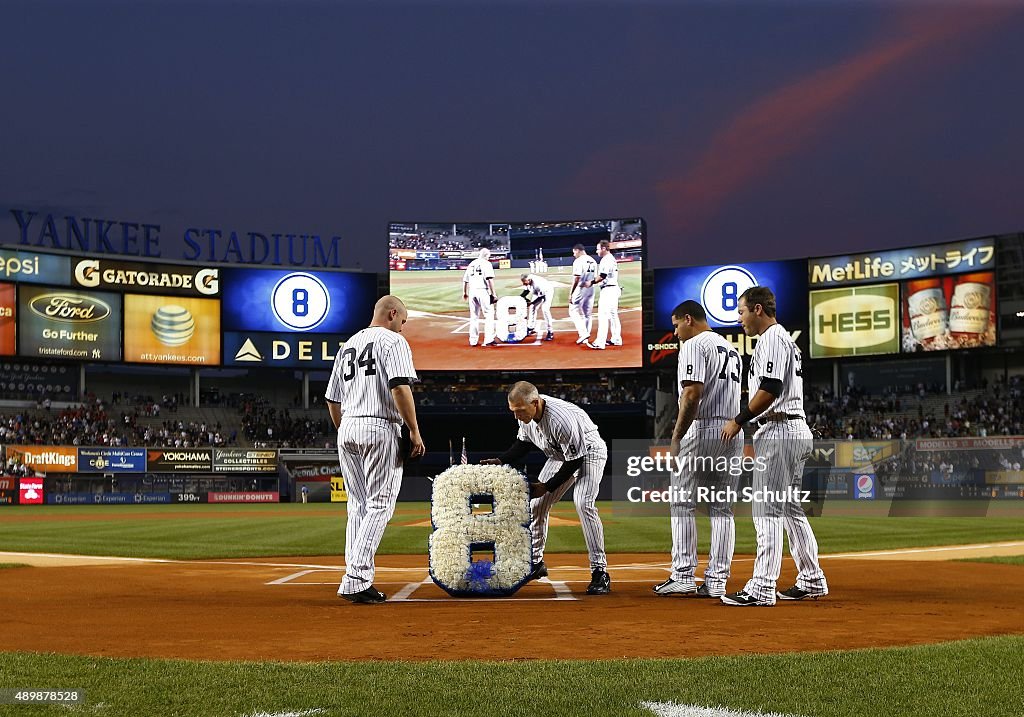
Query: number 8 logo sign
300, 301
458, 532
720, 294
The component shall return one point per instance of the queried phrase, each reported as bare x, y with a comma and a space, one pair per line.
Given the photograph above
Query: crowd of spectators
441, 240
267, 426
602, 392
900, 413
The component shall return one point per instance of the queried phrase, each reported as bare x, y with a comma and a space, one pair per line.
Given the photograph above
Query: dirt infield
284, 609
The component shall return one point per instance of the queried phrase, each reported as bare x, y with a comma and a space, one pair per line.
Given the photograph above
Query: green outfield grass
230, 531
975, 677
1001, 559
440, 292
8, 566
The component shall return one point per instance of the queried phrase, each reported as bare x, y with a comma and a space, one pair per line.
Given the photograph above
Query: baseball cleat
744, 599
531, 332
549, 337
583, 339
705, 592
600, 583
540, 570
795, 593
369, 596
675, 587
615, 343
593, 346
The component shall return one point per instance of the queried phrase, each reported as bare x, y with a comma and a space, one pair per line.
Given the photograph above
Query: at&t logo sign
720, 294
300, 301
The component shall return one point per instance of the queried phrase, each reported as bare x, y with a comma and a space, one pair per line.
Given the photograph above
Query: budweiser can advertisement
953, 312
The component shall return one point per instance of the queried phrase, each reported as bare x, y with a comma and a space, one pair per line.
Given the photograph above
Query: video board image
292, 318
171, 330
507, 296
717, 288
951, 312
69, 324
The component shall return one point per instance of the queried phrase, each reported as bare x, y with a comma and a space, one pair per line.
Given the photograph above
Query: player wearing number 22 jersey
782, 443
369, 396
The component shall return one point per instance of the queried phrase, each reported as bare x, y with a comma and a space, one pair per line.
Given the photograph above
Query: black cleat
795, 593
369, 596
540, 570
705, 592
600, 583
744, 599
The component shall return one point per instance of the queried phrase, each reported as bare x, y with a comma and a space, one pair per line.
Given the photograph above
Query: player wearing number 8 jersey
369, 396
708, 381
782, 443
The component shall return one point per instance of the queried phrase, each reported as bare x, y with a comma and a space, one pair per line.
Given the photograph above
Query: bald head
523, 391
390, 312
485, 253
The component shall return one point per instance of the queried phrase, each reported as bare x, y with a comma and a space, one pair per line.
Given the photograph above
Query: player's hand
730, 430
538, 490
491, 462
587, 284
418, 449
674, 447
494, 299
465, 297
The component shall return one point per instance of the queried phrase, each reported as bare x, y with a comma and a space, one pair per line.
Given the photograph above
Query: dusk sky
740, 131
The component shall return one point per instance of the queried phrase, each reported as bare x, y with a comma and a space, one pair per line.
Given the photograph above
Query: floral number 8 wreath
458, 532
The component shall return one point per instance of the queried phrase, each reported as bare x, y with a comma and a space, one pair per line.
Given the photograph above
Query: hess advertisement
8, 318
855, 321
63, 323
952, 312
171, 330
292, 318
717, 289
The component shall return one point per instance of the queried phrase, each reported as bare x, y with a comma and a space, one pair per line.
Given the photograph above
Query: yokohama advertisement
245, 497
174, 460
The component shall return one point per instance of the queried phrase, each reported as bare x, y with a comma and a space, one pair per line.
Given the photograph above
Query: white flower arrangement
457, 531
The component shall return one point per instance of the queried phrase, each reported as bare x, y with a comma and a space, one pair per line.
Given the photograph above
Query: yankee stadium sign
42, 230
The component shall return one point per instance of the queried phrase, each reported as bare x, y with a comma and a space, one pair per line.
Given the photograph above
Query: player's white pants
480, 306
580, 307
608, 316
588, 481
704, 442
370, 461
545, 309
785, 446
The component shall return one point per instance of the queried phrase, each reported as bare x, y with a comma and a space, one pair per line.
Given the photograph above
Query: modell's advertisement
68, 324
952, 312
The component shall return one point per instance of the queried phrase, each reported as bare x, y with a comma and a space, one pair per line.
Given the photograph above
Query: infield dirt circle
287, 609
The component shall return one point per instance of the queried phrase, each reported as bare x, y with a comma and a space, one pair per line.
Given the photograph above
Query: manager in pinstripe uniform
576, 454
708, 380
369, 396
784, 441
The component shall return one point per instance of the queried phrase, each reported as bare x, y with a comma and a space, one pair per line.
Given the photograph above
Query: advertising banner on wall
29, 267
179, 460
31, 491
245, 497
145, 278
111, 460
64, 323
855, 321
8, 490
171, 330
244, 460
8, 319
46, 459
958, 257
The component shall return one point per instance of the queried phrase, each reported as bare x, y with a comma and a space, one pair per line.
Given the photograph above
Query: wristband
744, 415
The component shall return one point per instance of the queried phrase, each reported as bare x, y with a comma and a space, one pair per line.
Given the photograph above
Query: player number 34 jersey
365, 369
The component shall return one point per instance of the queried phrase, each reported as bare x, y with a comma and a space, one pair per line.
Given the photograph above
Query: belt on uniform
777, 418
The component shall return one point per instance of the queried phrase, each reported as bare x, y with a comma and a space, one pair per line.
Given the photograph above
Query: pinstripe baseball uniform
785, 445
564, 432
369, 365
708, 359
608, 303
475, 278
581, 303
543, 290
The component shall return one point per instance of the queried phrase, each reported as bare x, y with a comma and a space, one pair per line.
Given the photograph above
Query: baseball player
608, 302
369, 396
576, 454
784, 441
709, 394
478, 290
581, 296
539, 293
